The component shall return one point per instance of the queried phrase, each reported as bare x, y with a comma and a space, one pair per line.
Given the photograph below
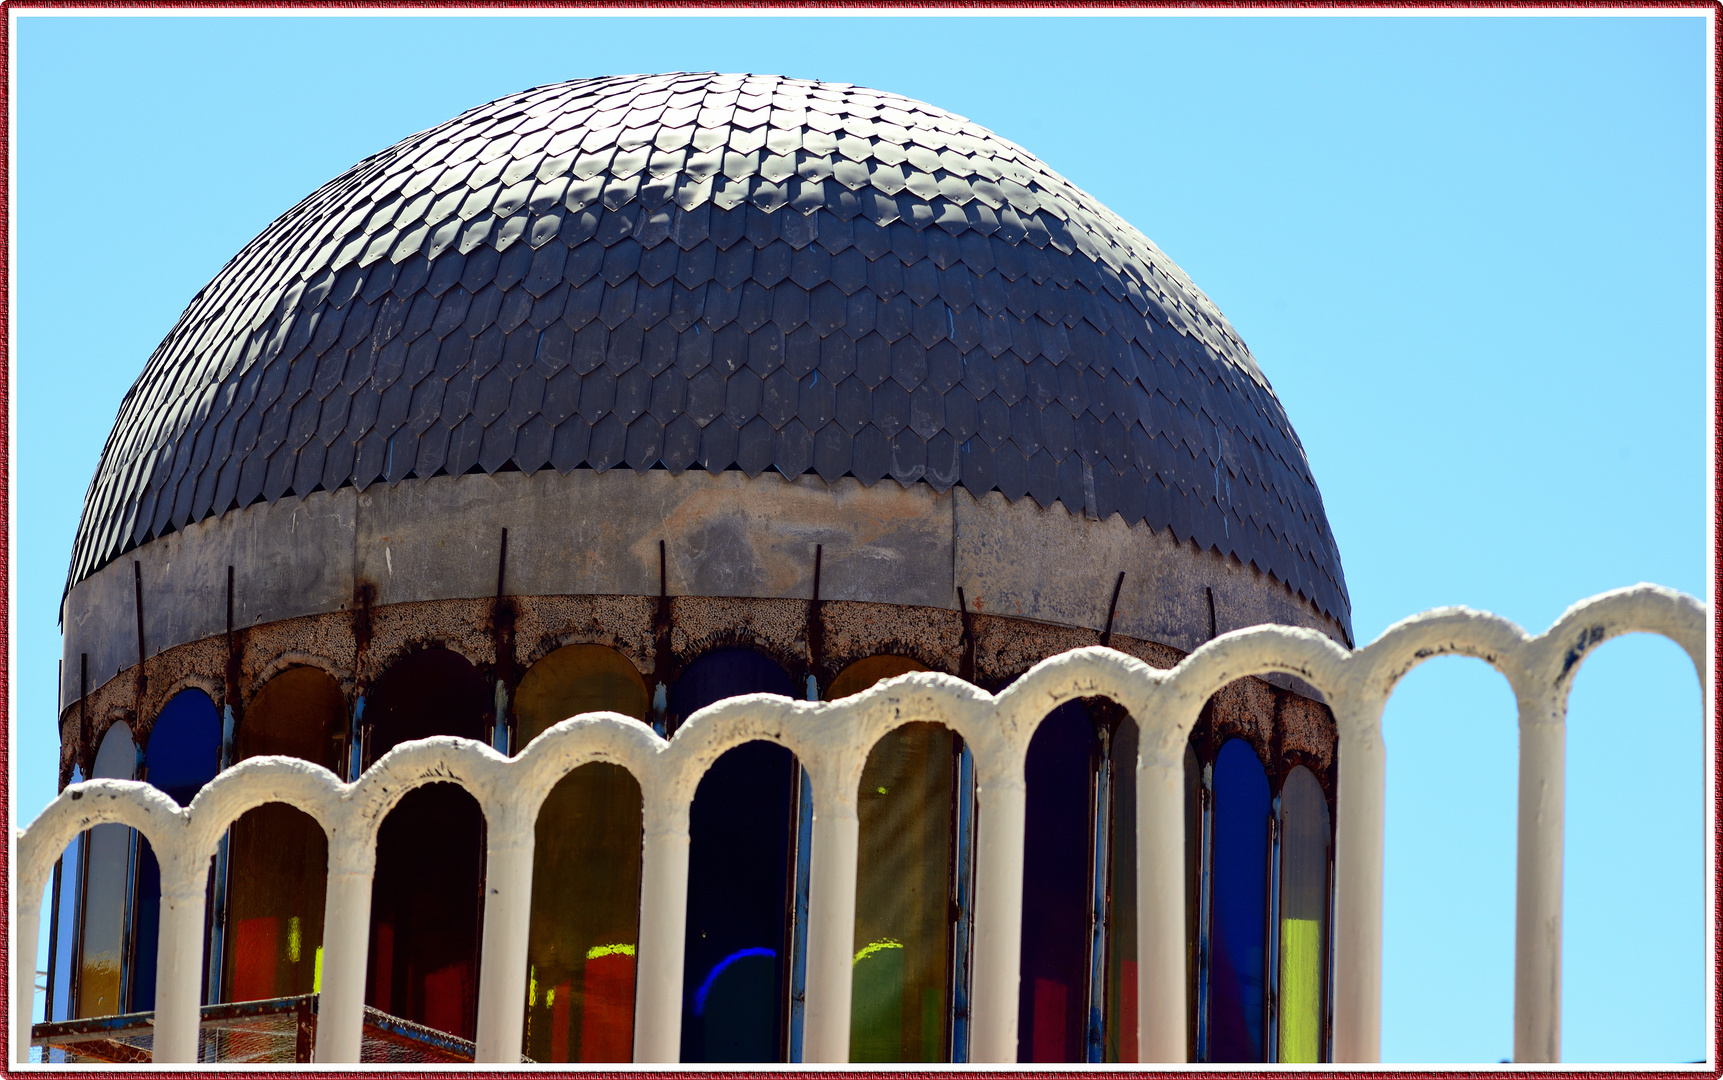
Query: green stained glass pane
1304, 858
903, 884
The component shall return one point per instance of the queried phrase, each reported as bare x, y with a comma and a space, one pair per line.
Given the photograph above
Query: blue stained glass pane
184, 751
1240, 905
725, 674
183, 754
735, 978
1056, 889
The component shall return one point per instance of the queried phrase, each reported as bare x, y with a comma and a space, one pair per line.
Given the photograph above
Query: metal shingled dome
714, 271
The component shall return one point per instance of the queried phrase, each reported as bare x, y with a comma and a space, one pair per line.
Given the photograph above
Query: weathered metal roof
714, 271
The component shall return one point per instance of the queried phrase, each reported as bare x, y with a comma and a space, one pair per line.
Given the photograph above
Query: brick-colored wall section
358, 645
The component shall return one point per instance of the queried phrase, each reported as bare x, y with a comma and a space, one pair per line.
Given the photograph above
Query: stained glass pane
1121, 1024
736, 971
183, 754
1304, 856
1053, 996
904, 877
869, 670
278, 856
1239, 908
105, 881
428, 893
586, 869
903, 897
577, 679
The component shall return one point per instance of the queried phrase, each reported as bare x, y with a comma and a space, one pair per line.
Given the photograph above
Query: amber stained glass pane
869, 670
586, 869
106, 878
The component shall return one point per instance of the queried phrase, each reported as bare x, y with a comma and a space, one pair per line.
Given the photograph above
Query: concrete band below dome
725, 535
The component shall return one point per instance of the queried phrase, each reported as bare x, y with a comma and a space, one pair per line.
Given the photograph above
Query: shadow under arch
427, 894
278, 855
586, 868
742, 882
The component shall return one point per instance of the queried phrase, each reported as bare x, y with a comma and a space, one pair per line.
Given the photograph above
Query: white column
995, 967
502, 954
179, 959
831, 930
1161, 975
346, 948
1358, 884
1537, 893
663, 924
24, 970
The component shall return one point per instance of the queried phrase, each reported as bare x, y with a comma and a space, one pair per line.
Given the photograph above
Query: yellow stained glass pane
577, 679
586, 869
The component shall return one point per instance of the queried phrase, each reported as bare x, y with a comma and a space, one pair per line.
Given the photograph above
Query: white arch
832, 741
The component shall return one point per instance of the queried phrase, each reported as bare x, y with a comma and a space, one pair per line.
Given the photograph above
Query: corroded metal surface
356, 647
696, 271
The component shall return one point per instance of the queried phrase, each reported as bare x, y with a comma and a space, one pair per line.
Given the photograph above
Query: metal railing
832, 741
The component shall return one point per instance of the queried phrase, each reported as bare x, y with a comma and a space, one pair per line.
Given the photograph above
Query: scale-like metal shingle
714, 271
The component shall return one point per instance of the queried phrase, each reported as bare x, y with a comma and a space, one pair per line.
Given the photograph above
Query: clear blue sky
1468, 251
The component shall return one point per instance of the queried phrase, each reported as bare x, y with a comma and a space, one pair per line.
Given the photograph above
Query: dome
714, 272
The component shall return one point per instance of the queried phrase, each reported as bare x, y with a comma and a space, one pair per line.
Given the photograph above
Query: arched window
428, 893
278, 863
904, 883
107, 894
183, 754
1121, 896
1306, 848
1238, 915
741, 877
586, 868
1057, 888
